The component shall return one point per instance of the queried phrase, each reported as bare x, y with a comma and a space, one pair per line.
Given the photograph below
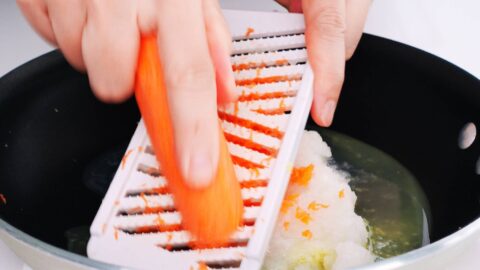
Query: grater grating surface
137, 224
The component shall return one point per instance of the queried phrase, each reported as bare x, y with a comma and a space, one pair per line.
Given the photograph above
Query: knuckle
329, 22
190, 76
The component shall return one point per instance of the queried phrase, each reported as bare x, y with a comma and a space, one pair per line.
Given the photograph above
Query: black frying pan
55, 137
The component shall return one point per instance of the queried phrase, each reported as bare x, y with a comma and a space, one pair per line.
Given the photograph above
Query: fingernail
200, 169
327, 112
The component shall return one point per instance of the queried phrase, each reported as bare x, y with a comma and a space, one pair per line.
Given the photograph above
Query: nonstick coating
54, 133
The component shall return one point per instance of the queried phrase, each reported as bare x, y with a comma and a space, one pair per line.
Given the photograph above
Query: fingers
36, 13
110, 47
325, 37
190, 80
67, 20
219, 44
356, 15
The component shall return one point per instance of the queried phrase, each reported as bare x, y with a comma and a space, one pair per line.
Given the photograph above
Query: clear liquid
388, 195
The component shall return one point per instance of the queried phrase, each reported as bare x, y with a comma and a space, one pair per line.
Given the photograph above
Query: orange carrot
213, 213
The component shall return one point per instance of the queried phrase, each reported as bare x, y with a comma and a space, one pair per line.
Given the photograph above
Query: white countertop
446, 28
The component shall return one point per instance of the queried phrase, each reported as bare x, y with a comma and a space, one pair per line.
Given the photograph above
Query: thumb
325, 36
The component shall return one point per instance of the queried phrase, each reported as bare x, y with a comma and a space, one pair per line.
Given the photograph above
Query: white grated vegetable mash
317, 227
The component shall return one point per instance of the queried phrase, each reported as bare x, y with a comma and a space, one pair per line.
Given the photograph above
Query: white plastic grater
137, 225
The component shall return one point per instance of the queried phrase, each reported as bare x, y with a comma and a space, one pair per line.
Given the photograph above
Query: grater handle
267, 217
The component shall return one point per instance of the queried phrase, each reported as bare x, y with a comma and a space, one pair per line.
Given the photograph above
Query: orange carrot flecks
281, 62
307, 234
202, 266
260, 96
302, 175
251, 144
249, 32
213, 213
125, 157
314, 206
115, 234
341, 193
270, 79
288, 202
286, 225
302, 215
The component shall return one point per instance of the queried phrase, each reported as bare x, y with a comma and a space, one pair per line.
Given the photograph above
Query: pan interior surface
59, 146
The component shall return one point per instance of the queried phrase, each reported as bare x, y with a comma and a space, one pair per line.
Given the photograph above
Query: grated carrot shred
235, 108
303, 215
248, 65
253, 183
274, 132
275, 111
250, 143
254, 172
159, 221
249, 32
125, 157
286, 225
115, 234
246, 163
258, 71
288, 202
270, 95
169, 237
202, 266
266, 161
270, 79
281, 62
341, 193
302, 175
307, 234
314, 206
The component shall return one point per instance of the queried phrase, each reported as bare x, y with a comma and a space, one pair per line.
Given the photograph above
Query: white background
447, 28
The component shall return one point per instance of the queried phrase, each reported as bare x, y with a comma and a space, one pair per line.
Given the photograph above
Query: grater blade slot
149, 150
146, 169
265, 35
268, 44
223, 264
269, 88
268, 59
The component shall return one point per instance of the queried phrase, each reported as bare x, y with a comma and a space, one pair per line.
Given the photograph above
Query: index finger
325, 36
190, 80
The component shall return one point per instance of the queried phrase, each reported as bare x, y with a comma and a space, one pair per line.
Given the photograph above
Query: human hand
102, 38
333, 30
